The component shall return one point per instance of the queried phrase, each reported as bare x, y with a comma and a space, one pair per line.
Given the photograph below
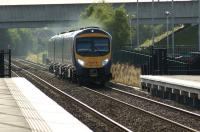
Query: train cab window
84, 46
92, 46
101, 45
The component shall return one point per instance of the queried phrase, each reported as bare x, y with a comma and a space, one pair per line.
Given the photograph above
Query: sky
30, 2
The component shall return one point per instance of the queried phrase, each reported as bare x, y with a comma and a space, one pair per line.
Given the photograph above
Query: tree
4, 39
120, 28
21, 41
26, 40
115, 21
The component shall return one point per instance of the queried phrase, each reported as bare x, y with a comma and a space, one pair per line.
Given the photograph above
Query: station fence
5, 63
159, 61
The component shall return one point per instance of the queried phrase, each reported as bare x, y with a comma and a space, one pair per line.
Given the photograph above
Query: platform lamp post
137, 28
152, 22
167, 13
199, 25
130, 24
172, 17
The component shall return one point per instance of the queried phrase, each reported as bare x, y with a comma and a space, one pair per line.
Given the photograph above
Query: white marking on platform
42, 112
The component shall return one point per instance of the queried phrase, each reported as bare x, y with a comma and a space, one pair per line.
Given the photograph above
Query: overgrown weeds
126, 74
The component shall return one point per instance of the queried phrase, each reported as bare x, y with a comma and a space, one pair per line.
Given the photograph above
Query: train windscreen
92, 46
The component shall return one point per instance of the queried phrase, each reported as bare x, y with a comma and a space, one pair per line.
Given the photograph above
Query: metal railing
159, 61
5, 63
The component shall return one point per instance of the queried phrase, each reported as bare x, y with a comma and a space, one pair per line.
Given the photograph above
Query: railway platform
182, 88
24, 108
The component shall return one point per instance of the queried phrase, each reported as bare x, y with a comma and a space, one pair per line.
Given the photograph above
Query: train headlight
104, 62
81, 62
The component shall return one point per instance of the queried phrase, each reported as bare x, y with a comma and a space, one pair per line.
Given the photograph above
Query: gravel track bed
85, 117
147, 95
13, 75
131, 118
175, 115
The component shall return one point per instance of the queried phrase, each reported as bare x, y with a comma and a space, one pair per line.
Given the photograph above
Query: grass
126, 74
122, 73
186, 36
158, 38
37, 58
185, 41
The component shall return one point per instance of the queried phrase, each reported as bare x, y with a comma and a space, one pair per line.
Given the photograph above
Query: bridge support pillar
195, 99
184, 97
168, 93
143, 85
149, 87
154, 91
199, 35
199, 24
161, 92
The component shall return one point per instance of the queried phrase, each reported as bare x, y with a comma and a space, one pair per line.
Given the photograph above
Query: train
82, 55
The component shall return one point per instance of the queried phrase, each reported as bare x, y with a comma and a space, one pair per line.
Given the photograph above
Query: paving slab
24, 108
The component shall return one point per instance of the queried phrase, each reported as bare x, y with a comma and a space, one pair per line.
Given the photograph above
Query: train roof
73, 33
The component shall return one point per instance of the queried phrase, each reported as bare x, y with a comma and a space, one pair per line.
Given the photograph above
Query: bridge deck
25, 108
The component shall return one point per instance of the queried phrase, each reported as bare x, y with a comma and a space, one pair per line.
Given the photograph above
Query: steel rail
94, 112
144, 98
154, 101
33, 63
15, 73
147, 112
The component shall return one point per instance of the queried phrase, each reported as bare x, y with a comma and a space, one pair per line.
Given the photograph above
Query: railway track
111, 95
179, 115
113, 126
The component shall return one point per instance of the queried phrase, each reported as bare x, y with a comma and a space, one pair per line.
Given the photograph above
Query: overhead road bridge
41, 15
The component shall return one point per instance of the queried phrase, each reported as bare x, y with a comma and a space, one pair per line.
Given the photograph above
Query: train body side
60, 50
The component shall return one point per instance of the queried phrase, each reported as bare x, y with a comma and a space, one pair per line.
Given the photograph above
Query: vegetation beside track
159, 38
122, 73
186, 37
185, 40
126, 74
37, 58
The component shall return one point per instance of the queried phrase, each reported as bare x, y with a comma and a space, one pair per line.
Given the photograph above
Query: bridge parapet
42, 15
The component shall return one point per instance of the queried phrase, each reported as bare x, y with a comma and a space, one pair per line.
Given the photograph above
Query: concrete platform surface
195, 78
187, 81
190, 84
24, 108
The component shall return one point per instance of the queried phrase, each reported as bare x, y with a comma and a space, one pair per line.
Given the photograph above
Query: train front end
93, 55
